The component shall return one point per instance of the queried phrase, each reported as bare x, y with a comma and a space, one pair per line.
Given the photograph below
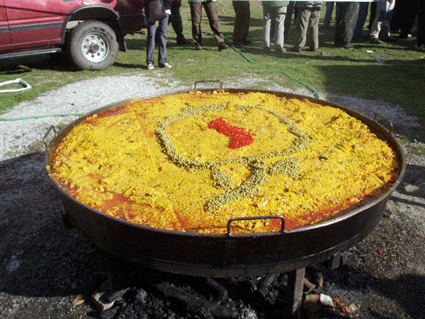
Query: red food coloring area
238, 136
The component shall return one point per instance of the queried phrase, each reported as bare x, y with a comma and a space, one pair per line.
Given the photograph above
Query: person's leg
176, 22
346, 21
302, 24
361, 20
279, 18
328, 14
377, 22
162, 29
267, 23
150, 46
242, 21
196, 15
409, 10
314, 27
212, 13
420, 44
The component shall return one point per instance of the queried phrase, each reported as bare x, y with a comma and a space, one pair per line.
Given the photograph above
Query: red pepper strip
238, 136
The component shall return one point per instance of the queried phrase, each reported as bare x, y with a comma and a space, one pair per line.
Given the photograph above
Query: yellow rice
121, 162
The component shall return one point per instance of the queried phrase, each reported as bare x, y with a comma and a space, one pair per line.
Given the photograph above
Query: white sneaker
165, 65
150, 66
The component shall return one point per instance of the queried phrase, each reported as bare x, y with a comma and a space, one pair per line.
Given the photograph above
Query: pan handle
229, 223
52, 128
385, 120
207, 81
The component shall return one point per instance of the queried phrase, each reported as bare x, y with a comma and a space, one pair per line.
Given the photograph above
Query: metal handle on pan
208, 81
229, 223
52, 128
385, 120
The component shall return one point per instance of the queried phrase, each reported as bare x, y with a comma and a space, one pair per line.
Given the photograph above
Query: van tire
93, 46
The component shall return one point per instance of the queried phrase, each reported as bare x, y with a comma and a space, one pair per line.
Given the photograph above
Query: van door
4, 27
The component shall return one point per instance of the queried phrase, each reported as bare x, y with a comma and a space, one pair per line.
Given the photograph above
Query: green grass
400, 79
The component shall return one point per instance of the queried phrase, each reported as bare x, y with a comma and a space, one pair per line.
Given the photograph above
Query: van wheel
93, 46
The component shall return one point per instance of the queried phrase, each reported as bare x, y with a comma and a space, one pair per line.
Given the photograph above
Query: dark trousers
242, 20
408, 12
212, 14
176, 21
421, 23
345, 22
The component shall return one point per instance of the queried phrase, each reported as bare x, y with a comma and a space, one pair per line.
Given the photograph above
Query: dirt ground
48, 271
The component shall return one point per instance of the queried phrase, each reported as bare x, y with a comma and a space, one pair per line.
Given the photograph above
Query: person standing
308, 18
161, 39
211, 10
274, 11
242, 21
345, 22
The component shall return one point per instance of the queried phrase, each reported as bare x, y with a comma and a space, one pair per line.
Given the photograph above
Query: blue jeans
328, 14
361, 20
162, 41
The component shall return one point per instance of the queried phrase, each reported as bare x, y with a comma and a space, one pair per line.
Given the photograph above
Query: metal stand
294, 293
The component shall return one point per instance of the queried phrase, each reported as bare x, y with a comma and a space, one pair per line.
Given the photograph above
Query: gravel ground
47, 271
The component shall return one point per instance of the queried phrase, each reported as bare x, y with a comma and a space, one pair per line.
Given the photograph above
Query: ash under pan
229, 255
147, 293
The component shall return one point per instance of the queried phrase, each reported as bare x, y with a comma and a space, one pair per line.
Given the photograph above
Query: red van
90, 31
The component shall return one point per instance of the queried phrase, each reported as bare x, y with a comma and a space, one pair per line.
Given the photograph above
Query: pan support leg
294, 293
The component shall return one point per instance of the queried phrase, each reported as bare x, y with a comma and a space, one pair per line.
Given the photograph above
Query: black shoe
314, 49
222, 46
266, 50
280, 51
198, 47
182, 41
297, 49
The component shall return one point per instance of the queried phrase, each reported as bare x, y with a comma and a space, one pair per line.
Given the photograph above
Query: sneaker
266, 50
150, 66
198, 47
165, 65
348, 46
297, 49
222, 46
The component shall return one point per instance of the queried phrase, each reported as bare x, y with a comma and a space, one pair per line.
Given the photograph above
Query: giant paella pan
227, 182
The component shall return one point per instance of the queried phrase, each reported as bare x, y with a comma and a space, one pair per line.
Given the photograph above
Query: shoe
280, 51
348, 46
375, 41
297, 49
182, 41
150, 66
165, 65
198, 47
266, 50
420, 47
314, 49
222, 46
